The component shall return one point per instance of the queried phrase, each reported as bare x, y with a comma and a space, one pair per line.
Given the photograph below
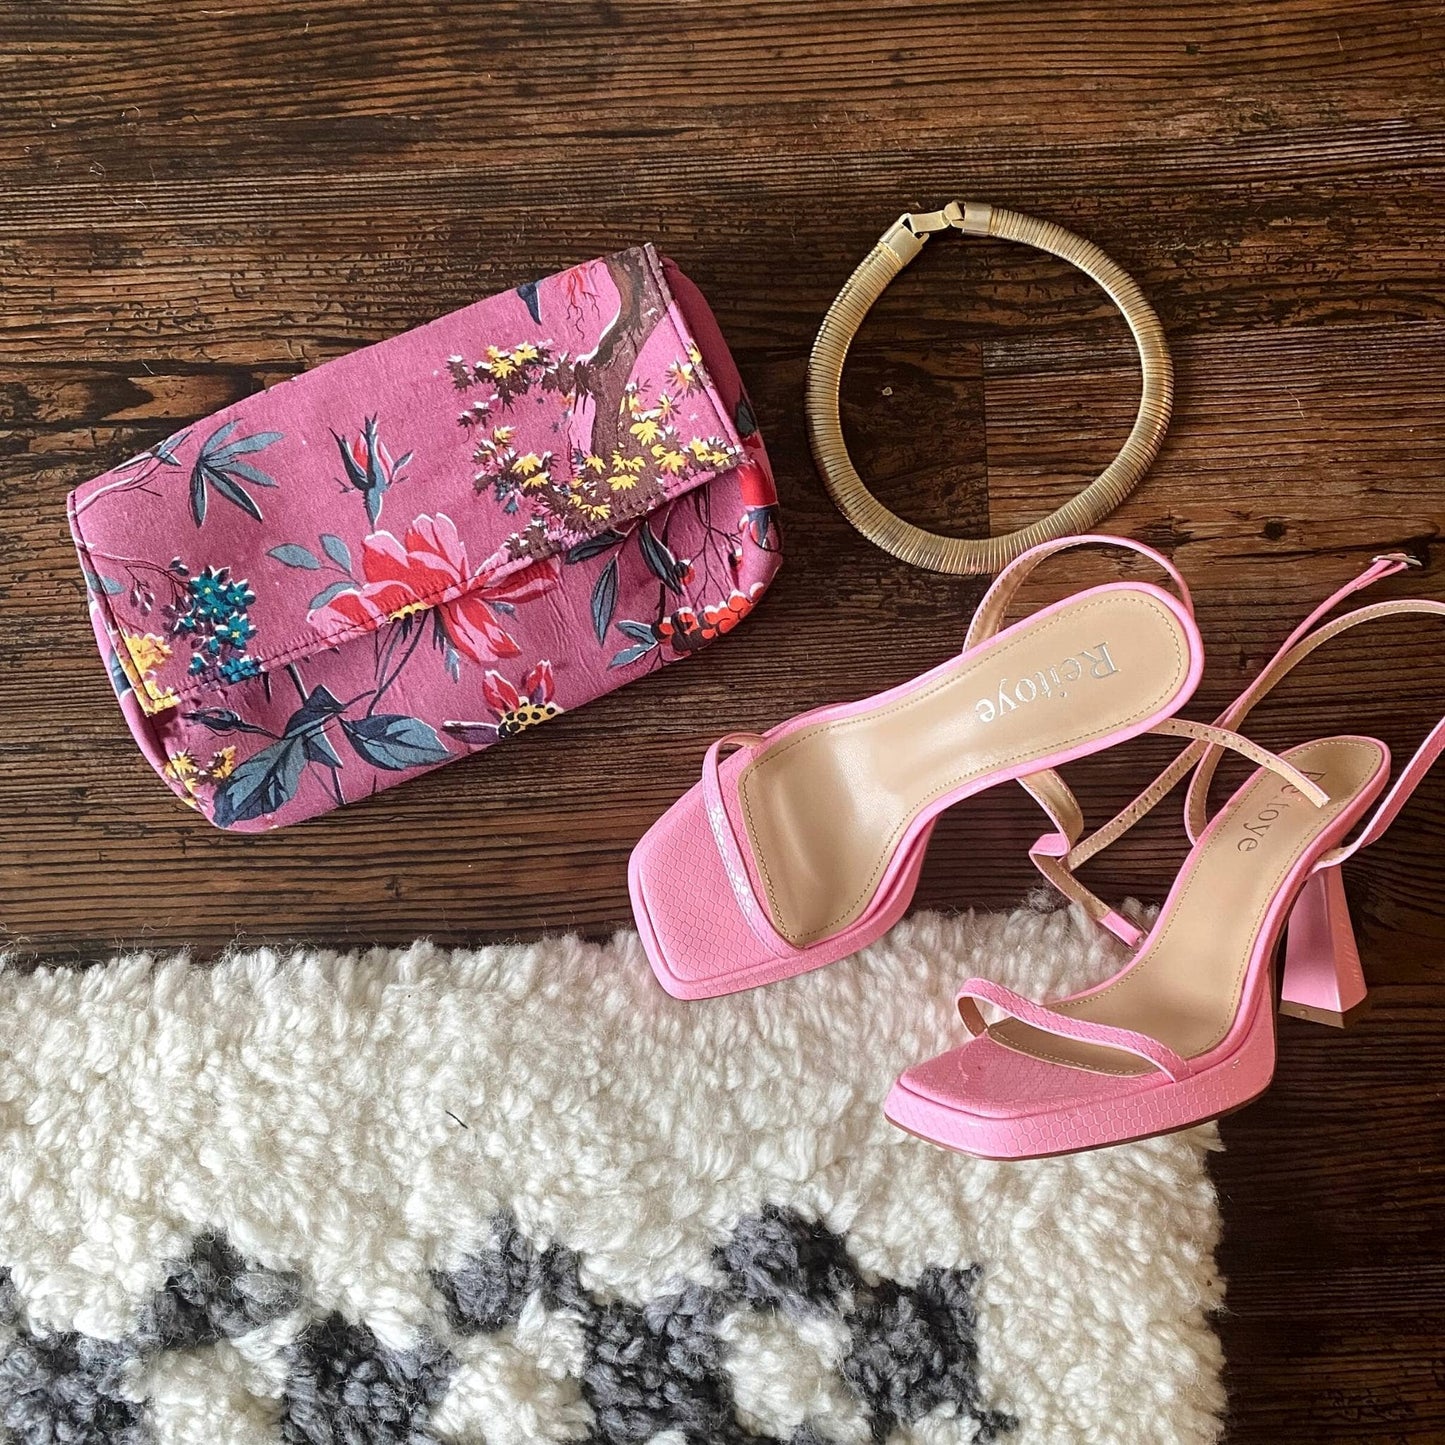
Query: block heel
1322, 979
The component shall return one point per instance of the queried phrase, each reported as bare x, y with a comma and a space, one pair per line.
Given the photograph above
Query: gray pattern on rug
518, 1196
646, 1370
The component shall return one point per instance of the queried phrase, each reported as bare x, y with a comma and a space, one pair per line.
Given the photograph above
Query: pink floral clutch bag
422, 548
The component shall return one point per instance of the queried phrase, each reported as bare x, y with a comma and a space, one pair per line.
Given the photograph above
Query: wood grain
201, 201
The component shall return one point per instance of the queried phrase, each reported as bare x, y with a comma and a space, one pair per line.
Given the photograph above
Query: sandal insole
824, 807
1184, 988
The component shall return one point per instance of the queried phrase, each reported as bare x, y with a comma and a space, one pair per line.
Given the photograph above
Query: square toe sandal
1184, 1032
804, 844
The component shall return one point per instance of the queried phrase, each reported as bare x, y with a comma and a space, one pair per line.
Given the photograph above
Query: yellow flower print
597, 511
625, 472
594, 463
631, 400
498, 363
524, 353
142, 653
670, 461
647, 428
665, 406
146, 650
503, 434
710, 453
533, 470
181, 767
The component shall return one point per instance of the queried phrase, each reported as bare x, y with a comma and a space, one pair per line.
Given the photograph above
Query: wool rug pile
517, 1194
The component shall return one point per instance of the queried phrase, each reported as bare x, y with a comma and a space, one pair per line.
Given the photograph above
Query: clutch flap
439, 463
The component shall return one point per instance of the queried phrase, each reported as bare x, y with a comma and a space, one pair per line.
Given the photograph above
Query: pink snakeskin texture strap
1049, 854
730, 849
1040, 1016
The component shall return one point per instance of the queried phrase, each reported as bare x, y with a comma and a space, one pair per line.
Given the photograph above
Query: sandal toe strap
1040, 1016
730, 849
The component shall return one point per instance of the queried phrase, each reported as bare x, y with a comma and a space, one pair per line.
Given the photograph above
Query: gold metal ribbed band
962, 555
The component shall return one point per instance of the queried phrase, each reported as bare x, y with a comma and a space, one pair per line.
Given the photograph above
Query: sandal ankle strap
993, 606
1200, 760
1057, 857
1306, 639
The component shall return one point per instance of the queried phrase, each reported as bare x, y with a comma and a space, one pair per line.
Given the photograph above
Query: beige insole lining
1184, 988
825, 807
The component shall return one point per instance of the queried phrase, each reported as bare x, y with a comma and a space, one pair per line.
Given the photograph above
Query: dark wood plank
202, 201
1334, 1244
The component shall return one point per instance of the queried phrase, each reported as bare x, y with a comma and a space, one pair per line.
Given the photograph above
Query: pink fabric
424, 547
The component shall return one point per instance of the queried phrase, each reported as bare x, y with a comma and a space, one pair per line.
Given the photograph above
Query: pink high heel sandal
806, 843
1185, 1031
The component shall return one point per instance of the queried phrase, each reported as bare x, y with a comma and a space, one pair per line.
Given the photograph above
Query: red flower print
535, 694
369, 465
429, 568
760, 500
755, 485
516, 709
687, 632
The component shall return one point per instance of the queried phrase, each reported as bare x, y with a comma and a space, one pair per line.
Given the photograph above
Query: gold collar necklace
898, 246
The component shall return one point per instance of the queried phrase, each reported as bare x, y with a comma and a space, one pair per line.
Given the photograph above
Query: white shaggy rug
520, 1195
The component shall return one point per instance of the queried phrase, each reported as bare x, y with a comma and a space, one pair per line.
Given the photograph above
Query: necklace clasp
925, 223
905, 237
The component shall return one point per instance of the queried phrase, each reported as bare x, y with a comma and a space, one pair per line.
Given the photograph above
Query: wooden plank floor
199, 201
